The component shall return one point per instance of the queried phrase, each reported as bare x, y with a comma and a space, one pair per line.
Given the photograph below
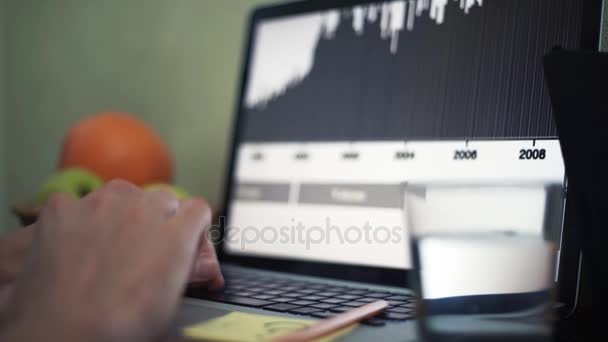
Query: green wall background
173, 62
3, 204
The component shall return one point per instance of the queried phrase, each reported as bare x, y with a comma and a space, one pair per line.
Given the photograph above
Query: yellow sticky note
245, 327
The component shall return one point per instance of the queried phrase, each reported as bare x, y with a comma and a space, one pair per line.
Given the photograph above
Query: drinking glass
484, 258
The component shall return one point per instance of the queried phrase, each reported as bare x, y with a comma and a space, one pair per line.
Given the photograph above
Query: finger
58, 203
194, 212
52, 227
121, 188
206, 267
14, 249
161, 201
21, 239
192, 218
113, 193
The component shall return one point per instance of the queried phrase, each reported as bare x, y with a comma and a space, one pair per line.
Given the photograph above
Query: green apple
177, 191
74, 181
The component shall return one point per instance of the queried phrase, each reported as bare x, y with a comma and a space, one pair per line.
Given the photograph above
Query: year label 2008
532, 154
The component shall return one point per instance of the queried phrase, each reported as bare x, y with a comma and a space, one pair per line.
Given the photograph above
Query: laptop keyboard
309, 298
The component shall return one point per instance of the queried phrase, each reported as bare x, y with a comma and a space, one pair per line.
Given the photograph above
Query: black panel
477, 75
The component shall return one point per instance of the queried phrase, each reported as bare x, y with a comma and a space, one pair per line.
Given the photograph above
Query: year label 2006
465, 154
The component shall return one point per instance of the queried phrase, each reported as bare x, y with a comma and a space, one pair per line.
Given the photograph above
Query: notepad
245, 327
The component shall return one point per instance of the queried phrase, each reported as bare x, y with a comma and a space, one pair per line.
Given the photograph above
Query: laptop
343, 101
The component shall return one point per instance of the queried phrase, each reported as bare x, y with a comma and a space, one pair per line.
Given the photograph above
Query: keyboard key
395, 302
410, 305
282, 299
354, 304
281, 307
378, 294
312, 297
328, 294
399, 309
400, 298
245, 294
290, 288
367, 299
341, 308
274, 292
292, 295
323, 305
349, 297
232, 299
322, 314
307, 291
305, 310
303, 302
261, 296
374, 322
333, 300
396, 316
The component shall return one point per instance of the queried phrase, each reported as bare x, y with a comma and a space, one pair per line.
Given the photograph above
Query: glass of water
484, 258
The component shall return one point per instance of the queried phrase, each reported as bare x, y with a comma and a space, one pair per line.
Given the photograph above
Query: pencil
333, 324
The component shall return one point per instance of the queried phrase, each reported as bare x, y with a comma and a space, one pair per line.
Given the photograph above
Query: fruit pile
108, 146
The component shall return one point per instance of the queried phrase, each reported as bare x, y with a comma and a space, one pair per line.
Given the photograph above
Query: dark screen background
477, 75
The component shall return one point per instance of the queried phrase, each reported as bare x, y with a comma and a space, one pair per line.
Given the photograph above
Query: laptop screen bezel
569, 266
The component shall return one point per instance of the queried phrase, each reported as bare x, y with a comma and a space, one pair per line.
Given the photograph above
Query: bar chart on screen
407, 70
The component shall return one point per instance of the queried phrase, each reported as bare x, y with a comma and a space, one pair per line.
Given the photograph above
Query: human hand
112, 265
15, 247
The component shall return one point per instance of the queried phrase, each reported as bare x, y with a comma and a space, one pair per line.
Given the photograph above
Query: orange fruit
117, 145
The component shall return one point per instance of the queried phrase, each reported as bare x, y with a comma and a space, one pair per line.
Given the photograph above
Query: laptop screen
343, 106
